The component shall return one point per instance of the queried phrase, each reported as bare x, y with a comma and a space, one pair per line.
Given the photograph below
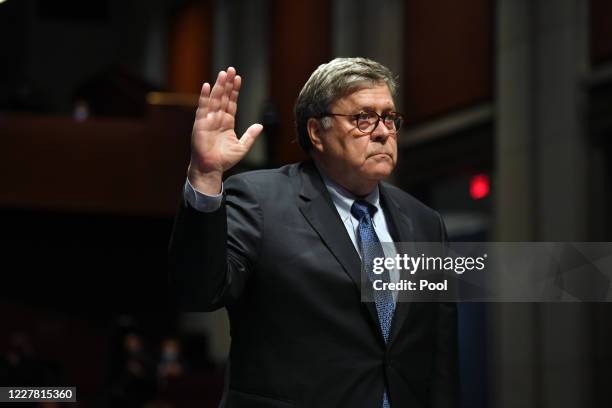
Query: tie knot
361, 208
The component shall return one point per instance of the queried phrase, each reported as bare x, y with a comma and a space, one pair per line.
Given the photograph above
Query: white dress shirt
343, 201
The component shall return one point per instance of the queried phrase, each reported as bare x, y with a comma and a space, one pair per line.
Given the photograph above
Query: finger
217, 92
203, 101
227, 91
232, 106
231, 74
249, 137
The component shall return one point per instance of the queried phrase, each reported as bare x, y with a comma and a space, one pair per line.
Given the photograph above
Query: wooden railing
131, 166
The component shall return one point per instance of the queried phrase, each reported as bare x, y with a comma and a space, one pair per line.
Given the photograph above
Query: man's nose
381, 132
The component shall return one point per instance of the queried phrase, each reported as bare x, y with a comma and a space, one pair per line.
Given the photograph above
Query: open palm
215, 148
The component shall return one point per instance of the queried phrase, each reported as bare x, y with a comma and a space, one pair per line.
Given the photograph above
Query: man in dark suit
283, 251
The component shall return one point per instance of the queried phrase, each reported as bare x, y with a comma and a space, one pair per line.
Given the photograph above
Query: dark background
96, 107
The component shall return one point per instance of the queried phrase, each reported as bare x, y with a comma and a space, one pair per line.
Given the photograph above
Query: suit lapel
317, 207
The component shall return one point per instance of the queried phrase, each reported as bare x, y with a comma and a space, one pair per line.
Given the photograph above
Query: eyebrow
370, 108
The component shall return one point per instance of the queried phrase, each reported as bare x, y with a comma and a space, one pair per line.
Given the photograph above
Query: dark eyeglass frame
397, 123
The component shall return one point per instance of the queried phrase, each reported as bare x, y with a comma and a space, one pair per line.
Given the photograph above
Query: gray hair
332, 81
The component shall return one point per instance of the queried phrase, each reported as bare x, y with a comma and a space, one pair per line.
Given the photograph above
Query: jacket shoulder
265, 175
408, 202
421, 215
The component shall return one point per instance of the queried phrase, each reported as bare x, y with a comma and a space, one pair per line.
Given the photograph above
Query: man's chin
380, 171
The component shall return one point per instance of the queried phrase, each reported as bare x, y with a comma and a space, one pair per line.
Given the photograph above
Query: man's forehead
368, 96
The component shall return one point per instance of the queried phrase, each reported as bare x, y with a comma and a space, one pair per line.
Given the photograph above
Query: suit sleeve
445, 375
213, 254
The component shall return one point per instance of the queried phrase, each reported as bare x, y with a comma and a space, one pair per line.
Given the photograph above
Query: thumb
249, 137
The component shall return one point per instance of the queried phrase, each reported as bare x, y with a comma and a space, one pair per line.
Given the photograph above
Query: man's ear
315, 133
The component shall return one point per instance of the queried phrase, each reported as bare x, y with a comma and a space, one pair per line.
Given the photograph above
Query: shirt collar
343, 199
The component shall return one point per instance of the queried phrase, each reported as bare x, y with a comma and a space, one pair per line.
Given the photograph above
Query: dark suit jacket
278, 257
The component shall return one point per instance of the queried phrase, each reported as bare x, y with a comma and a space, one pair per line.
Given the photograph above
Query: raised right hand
214, 145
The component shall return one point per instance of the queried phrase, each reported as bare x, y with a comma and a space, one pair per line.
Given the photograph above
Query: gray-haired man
282, 250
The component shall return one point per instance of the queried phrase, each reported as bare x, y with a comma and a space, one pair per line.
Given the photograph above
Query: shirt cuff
200, 201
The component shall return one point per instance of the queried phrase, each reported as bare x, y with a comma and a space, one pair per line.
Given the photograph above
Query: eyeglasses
367, 121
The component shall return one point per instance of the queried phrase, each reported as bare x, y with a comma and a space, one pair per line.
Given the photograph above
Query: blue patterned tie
371, 248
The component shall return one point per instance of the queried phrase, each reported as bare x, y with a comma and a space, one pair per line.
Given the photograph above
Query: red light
479, 186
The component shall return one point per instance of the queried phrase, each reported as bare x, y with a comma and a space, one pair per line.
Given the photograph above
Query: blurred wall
517, 90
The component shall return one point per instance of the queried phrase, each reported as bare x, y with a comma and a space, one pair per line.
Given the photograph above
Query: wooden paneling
448, 60
300, 40
98, 165
190, 47
601, 31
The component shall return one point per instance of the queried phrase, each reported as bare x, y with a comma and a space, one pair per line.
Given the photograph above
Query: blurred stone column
241, 40
362, 28
561, 138
513, 326
156, 47
540, 352
562, 191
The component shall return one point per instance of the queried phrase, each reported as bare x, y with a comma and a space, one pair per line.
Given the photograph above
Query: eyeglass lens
367, 121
